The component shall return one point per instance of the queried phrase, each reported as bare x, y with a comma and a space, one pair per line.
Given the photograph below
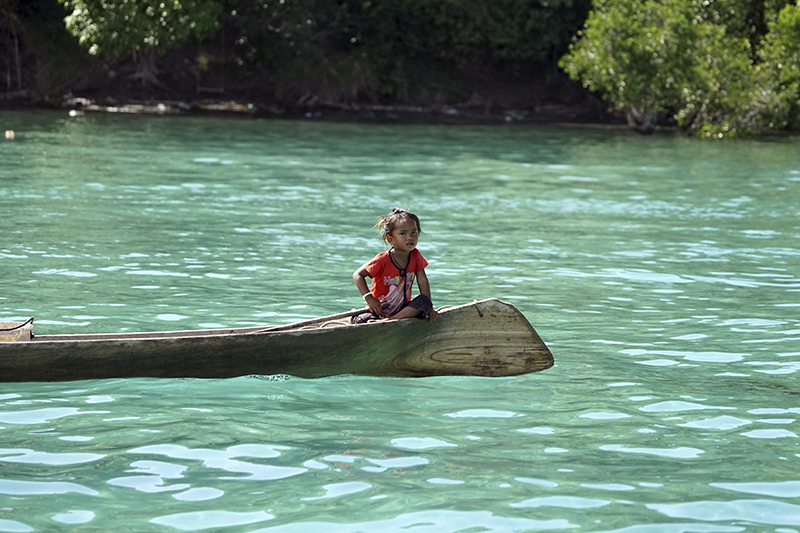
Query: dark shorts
421, 303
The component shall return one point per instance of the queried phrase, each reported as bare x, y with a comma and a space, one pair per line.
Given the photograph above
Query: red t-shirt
387, 283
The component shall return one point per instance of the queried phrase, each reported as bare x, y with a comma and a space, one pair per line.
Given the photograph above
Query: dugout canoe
484, 338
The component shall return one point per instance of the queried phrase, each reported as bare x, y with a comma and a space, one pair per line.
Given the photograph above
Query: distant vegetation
712, 67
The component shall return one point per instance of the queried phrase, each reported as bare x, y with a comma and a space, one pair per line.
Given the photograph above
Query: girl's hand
374, 305
433, 315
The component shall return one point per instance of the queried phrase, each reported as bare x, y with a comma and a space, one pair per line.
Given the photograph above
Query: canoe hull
487, 338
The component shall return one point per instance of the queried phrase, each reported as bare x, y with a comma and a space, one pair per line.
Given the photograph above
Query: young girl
393, 273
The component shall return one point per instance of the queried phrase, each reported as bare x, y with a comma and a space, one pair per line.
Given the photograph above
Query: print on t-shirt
397, 296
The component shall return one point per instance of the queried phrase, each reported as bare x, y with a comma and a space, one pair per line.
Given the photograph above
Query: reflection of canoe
486, 338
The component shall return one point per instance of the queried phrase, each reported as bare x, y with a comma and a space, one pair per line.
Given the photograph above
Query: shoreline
586, 112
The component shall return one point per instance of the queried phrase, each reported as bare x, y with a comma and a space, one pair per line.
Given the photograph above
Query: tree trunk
16, 59
146, 68
642, 120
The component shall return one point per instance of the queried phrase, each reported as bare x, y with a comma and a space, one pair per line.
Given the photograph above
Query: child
393, 273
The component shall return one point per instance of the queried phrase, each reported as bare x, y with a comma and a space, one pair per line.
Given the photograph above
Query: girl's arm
360, 277
425, 288
423, 283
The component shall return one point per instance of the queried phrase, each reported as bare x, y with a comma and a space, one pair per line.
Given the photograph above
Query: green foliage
117, 27
694, 60
718, 97
391, 48
515, 32
781, 65
637, 55
310, 47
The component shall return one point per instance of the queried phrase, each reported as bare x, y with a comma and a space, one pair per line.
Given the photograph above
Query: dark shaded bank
110, 87
42, 66
520, 103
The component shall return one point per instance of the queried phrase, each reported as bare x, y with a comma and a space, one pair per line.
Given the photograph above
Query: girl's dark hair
388, 222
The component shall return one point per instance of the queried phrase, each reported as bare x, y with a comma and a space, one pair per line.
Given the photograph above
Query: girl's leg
406, 312
419, 307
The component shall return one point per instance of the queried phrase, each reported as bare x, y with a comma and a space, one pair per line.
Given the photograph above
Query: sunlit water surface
661, 271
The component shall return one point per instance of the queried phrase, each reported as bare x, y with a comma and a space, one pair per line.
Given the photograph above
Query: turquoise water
661, 272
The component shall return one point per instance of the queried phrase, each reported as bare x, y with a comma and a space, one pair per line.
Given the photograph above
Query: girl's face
405, 235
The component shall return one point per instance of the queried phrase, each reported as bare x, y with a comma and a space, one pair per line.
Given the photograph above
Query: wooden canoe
485, 338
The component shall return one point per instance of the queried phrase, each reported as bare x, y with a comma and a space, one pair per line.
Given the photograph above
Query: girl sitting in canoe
393, 273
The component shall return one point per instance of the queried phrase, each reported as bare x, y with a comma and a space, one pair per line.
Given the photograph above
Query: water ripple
780, 489
483, 413
336, 490
701, 357
681, 452
202, 520
433, 521
25, 488
23, 455
420, 443
770, 434
677, 528
566, 502
74, 517
13, 526
224, 460
721, 423
41, 416
759, 511
678, 406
